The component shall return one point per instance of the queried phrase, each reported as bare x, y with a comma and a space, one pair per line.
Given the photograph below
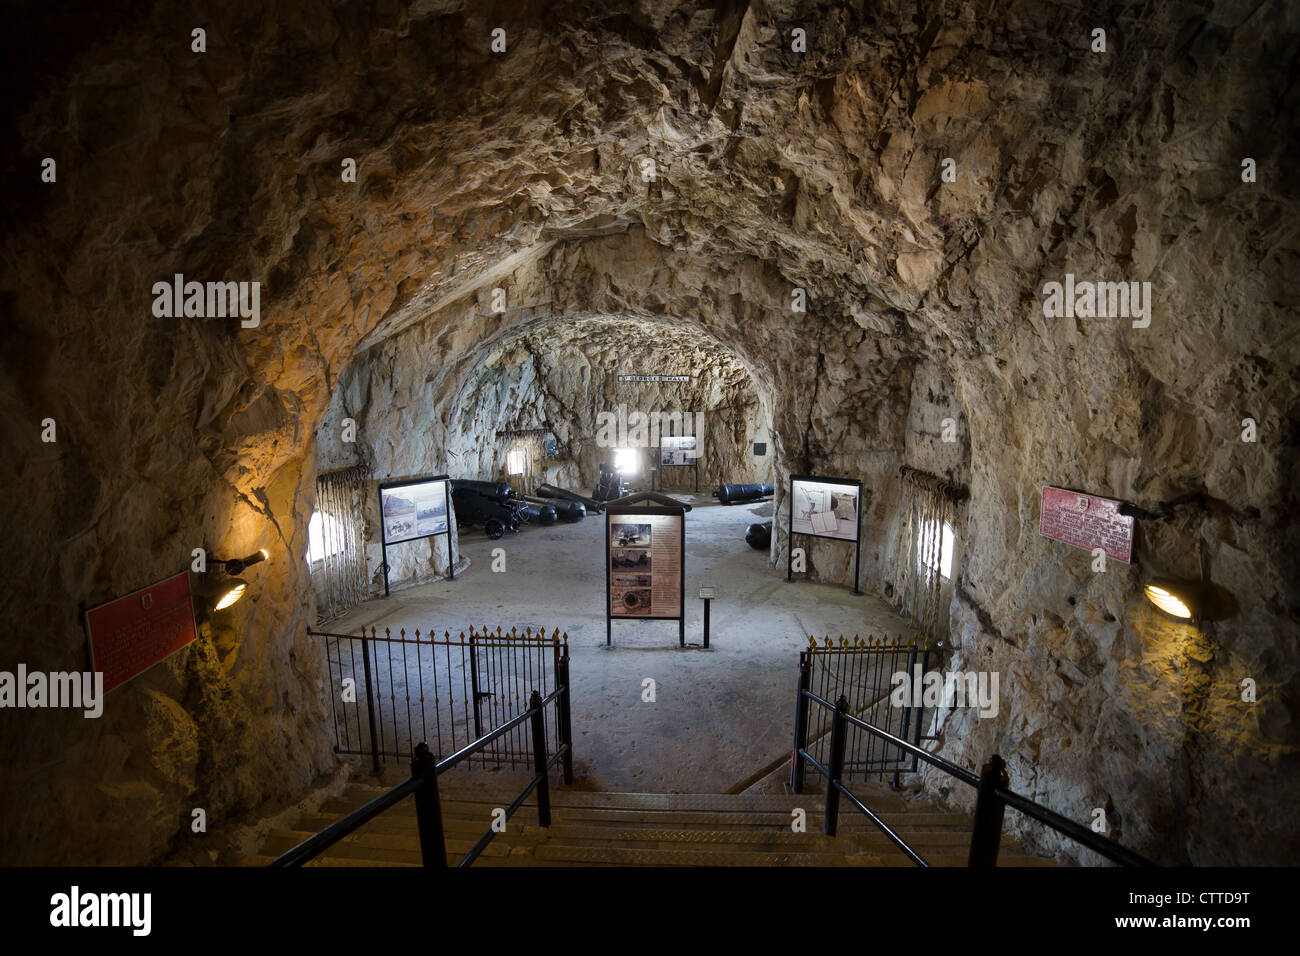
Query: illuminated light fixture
627, 461
227, 593
1167, 600
1190, 600
234, 591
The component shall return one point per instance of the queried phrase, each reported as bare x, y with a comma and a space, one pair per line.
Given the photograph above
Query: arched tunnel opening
336, 342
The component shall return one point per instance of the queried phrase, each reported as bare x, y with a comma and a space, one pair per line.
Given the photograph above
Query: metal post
907, 714
987, 831
706, 622
539, 761
451, 514
836, 767
428, 809
473, 684
565, 716
370, 704
800, 724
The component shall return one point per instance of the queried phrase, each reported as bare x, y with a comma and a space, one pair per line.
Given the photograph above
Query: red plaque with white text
131, 634
1087, 522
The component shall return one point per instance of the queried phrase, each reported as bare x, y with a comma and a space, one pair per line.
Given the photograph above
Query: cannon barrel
496, 490
759, 535
550, 491
571, 511
730, 494
543, 514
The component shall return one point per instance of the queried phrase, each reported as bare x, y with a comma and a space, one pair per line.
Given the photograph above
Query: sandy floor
719, 715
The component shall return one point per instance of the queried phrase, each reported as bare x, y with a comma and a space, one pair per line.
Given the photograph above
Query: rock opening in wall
925, 549
336, 553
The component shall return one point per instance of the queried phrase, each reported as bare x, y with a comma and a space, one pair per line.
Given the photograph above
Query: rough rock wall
565, 378
775, 170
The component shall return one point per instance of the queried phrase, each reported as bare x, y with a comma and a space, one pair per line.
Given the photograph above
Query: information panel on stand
415, 509
679, 450
645, 565
825, 508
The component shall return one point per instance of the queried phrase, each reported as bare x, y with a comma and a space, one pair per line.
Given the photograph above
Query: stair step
547, 853
644, 829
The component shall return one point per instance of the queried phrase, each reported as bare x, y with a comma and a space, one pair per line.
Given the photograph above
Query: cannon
497, 490
571, 511
543, 514
734, 494
497, 514
610, 484
759, 535
590, 504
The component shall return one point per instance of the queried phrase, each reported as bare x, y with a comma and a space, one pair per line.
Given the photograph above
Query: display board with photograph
679, 451
645, 564
825, 508
414, 509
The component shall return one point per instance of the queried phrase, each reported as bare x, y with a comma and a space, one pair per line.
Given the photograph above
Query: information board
414, 509
645, 563
131, 634
679, 450
825, 508
1086, 521
645, 572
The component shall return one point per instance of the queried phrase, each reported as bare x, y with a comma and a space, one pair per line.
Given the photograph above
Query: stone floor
720, 715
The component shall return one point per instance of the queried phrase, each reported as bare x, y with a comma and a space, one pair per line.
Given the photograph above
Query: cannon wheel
494, 528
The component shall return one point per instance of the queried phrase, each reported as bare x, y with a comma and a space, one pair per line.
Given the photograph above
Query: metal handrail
950, 768
318, 843
423, 783
993, 794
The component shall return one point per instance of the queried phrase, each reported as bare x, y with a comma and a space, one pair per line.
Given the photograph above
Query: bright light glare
627, 460
1168, 602
324, 536
941, 562
231, 596
515, 461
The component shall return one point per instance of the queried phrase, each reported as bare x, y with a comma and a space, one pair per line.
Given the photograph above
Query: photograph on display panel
824, 509
679, 450
414, 511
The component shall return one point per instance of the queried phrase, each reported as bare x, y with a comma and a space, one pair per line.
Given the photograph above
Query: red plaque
131, 634
1087, 522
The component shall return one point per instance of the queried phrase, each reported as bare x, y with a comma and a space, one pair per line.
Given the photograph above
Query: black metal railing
423, 785
863, 671
992, 793
389, 691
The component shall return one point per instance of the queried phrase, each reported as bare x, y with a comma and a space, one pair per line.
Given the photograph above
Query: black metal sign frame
624, 511
660, 466
383, 525
790, 532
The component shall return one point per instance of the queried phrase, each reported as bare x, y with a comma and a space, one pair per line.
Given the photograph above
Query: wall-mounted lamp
1190, 600
228, 592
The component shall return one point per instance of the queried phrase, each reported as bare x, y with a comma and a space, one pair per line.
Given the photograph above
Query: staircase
646, 829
